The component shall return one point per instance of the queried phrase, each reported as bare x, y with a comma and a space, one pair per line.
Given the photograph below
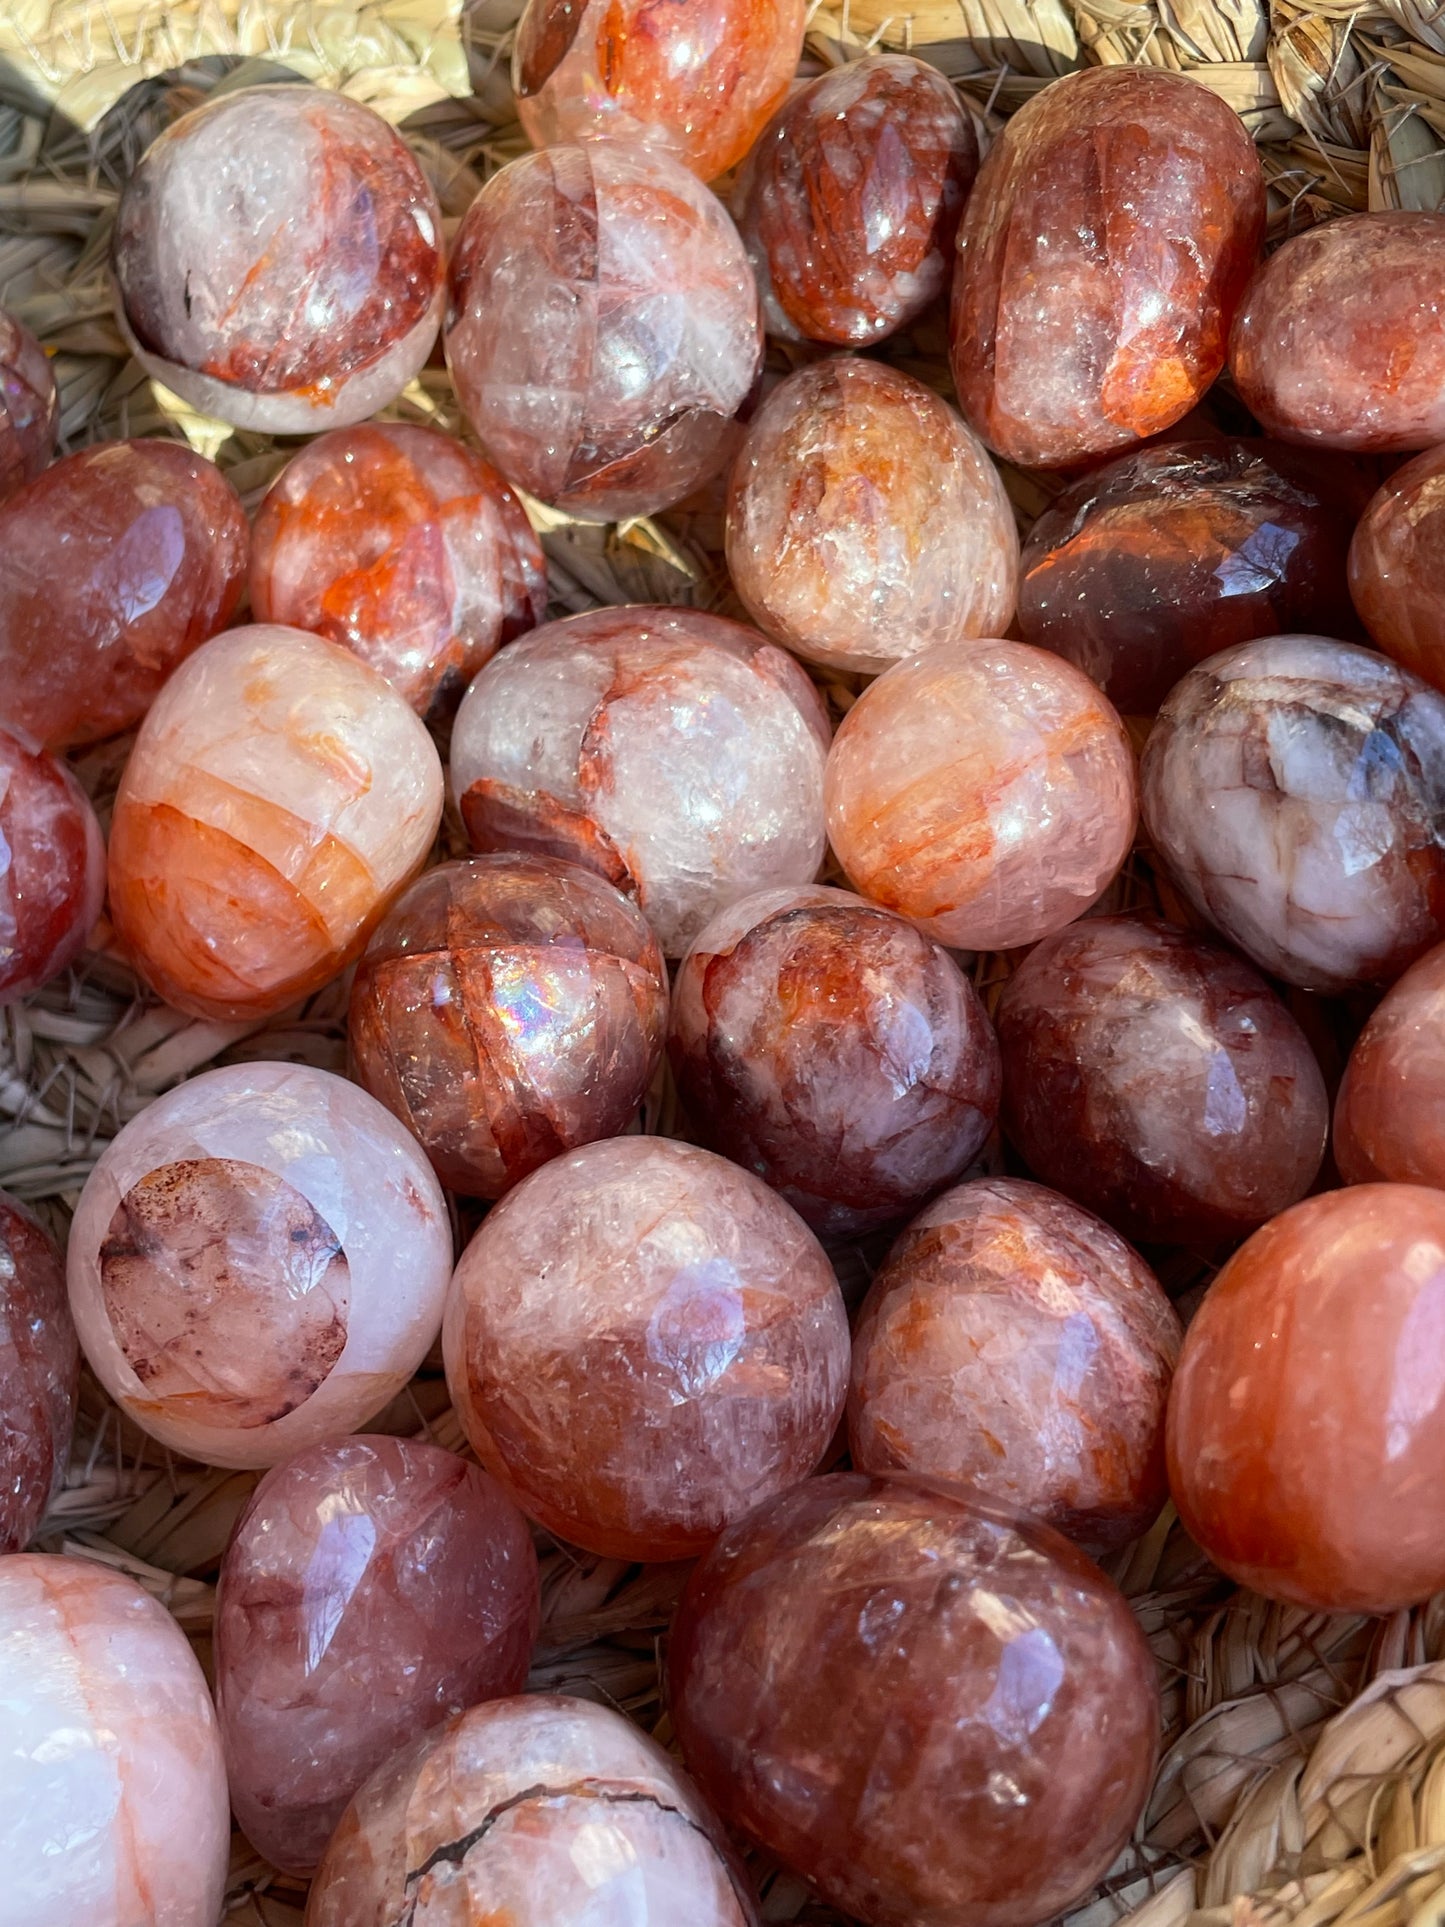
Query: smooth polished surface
1397, 566
39, 1370
1390, 1112
29, 406
52, 867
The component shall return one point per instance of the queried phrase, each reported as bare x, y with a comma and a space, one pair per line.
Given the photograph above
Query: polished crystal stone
643, 1341
983, 789
372, 1588
506, 1010
1307, 1422
678, 755
278, 260
1397, 566
52, 867
29, 406
865, 521
258, 1263
1296, 789
277, 798
835, 1050
604, 328
849, 203
119, 561
1101, 256
935, 1712
112, 1792
1015, 1344
39, 1365
1390, 1113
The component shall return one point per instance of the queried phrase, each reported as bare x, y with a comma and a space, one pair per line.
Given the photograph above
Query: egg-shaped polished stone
29, 406
1397, 566
1390, 1112
52, 867
39, 1372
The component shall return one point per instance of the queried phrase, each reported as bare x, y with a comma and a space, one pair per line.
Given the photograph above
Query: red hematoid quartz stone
372, 1588
39, 1372
1307, 1422
52, 867
939, 1715
1157, 1079
984, 790
849, 203
1397, 566
1390, 1113
1014, 1343
643, 1341
29, 406
509, 1009
835, 1050
406, 548
119, 561
542, 1811
604, 328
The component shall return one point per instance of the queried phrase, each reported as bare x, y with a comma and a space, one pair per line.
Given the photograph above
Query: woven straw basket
1303, 1768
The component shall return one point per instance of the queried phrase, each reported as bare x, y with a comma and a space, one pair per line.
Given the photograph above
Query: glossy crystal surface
29, 406
1390, 1112
39, 1369
52, 867
1397, 567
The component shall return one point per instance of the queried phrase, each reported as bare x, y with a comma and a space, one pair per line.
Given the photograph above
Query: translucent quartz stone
1390, 1113
865, 521
934, 1712
29, 406
836, 1051
52, 867
983, 789
258, 1262
278, 260
112, 1792
372, 1588
604, 328
1102, 254
643, 1341
849, 203
1397, 566
506, 1010
678, 755
1158, 1080
1147, 566
406, 548
696, 81
1365, 371
1307, 1422
118, 562
277, 798
1013, 1343
1296, 789
39, 1368
535, 1812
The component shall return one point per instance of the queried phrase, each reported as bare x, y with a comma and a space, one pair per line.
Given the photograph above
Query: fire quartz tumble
849, 203
1296, 788
532, 1812
52, 867
866, 521
1154, 1077
119, 561
403, 546
1397, 566
278, 260
604, 328
676, 754
372, 1588
506, 1010
112, 1790
39, 1369
1390, 1113
940, 1715
1307, 1420
258, 1262
985, 790
29, 406
836, 1051
1101, 256
1013, 1343
643, 1341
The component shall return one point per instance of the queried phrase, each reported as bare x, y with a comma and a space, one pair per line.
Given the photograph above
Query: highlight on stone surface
931, 1710
258, 1263
1101, 257
1397, 566
278, 260
508, 1009
29, 406
278, 796
676, 754
1295, 787
1014, 1343
372, 1588
866, 520
1390, 1112
985, 790
603, 329
834, 1050
39, 1371
642, 1342
119, 561
52, 867
1308, 1412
